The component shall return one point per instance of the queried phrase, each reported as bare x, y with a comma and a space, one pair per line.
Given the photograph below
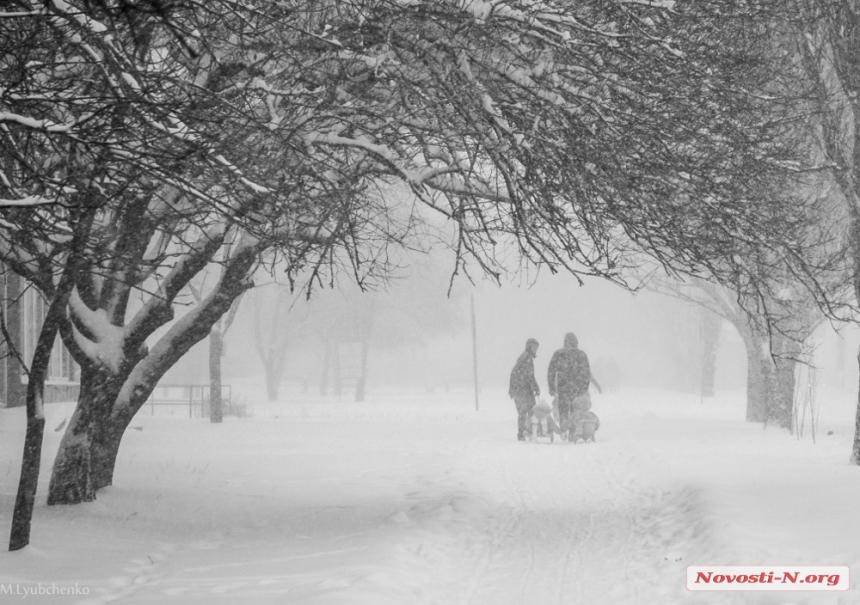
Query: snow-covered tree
825, 33
574, 137
773, 334
150, 134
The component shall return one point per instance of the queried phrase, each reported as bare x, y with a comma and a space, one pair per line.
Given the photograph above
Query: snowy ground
419, 499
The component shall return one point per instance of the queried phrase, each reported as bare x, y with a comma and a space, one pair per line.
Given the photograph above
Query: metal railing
193, 396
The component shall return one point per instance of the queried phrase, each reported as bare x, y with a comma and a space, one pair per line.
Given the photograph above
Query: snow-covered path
421, 500
571, 529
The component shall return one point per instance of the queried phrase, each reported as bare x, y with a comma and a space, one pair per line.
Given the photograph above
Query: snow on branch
456, 185
30, 200
667, 4
157, 309
105, 341
256, 188
5, 15
43, 125
94, 26
361, 142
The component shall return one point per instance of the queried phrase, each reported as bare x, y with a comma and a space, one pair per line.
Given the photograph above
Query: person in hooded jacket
524, 388
569, 375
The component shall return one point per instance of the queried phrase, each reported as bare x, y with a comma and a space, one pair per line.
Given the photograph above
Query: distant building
24, 310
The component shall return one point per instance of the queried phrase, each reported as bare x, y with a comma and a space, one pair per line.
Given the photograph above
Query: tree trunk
325, 368
758, 377
756, 389
338, 378
840, 360
274, 370
782, 407
108, 401
16, 390
88, 452
26, 498
80, 466
216, 348
855, 254
71, 478
361, 384
782, 410
107, 438
855, 448
710, 326
271, 345
86, 461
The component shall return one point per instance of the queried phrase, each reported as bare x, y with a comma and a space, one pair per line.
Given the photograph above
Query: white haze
642, 339
415, 497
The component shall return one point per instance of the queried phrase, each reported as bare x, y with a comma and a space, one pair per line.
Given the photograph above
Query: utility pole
474, 350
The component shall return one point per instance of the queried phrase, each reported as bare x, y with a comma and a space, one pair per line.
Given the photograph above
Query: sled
585, 425
581, 426
545, 424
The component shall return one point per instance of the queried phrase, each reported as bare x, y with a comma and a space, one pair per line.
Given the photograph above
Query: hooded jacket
569, 372
523, 383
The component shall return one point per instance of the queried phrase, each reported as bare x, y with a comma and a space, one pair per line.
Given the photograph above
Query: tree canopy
170, 136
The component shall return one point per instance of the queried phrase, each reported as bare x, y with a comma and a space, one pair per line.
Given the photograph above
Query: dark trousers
569, 406
564, 407
525, 404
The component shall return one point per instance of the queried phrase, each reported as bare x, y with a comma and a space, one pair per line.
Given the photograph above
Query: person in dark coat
569, 375
524, 388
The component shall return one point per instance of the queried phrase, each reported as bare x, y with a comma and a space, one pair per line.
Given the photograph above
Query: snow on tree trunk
110, 397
